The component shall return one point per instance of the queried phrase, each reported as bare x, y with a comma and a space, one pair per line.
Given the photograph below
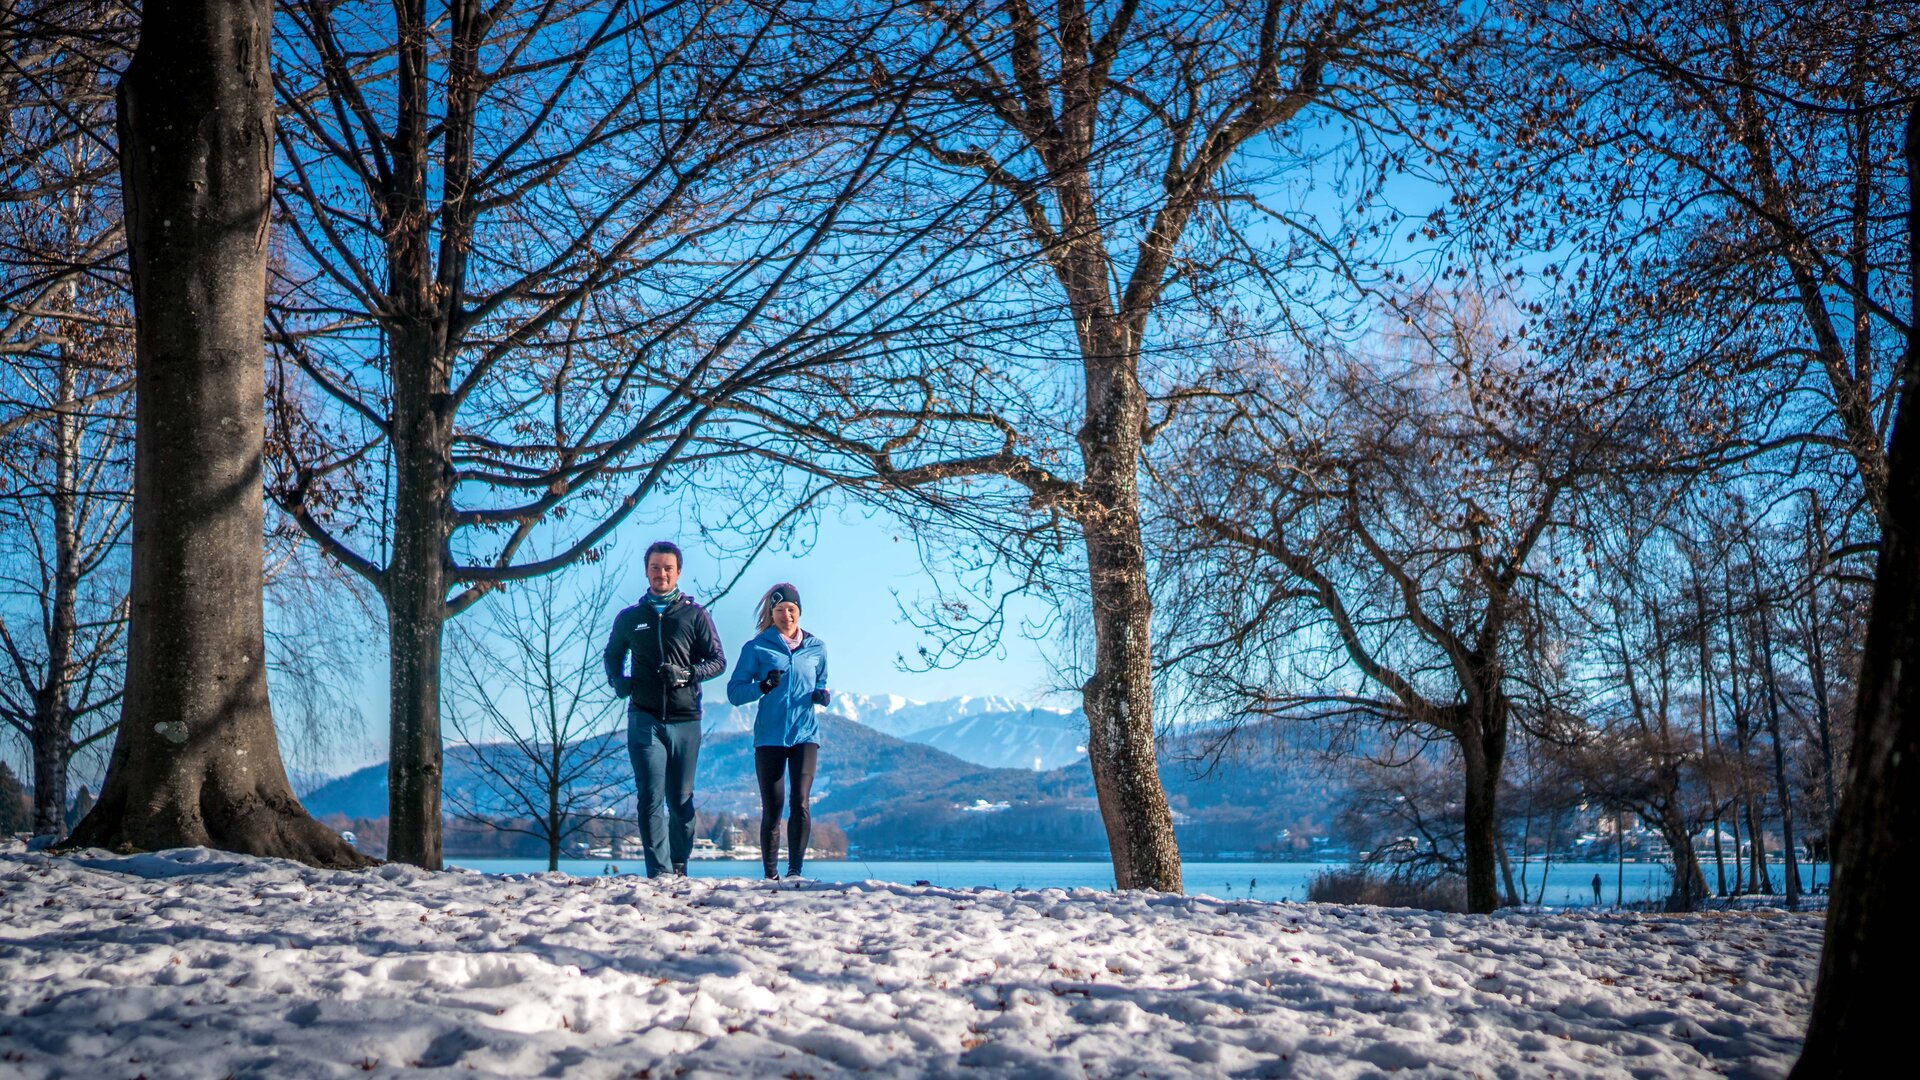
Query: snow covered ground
195, 963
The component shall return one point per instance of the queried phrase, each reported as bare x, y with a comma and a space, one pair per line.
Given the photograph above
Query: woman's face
786, 618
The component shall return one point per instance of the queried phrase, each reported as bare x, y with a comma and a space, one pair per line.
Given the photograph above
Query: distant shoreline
931, 855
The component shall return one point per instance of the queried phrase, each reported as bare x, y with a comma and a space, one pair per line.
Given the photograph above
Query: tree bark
53, 719
1482, 752
1619, 858
414, 629
52, 722
1689, 883
415, 589
1119, 695
196, 760
1546, 863
1871, 941
1759, 881
424, 290
49, 777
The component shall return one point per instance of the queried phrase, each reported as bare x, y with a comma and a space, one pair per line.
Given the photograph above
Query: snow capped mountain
989, 730
1022, 738
874, 712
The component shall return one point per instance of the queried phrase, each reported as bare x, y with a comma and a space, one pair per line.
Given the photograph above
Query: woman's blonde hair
765, 617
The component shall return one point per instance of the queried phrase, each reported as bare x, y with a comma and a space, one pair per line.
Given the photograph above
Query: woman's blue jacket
786, 715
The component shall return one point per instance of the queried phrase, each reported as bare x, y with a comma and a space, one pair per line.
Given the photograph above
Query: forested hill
896, 796
858, 766
1254, 801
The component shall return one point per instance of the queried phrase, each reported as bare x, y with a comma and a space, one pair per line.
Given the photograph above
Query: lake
1568, 883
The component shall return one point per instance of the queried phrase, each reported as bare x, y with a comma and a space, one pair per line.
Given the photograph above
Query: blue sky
847, 582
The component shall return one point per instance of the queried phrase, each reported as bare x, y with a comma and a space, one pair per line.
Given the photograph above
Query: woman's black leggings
773, 765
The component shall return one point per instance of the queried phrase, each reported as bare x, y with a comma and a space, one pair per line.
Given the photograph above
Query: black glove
675, 676
822, 696
622, 687
772, 680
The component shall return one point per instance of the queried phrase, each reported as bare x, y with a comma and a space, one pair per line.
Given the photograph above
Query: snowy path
201, 964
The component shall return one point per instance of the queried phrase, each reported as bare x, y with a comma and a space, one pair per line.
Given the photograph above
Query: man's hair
665, 547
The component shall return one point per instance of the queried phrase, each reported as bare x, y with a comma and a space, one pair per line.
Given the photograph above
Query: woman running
785, 670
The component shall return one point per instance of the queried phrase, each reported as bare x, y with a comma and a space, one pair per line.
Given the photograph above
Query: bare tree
1731, 155
1869, 938
64, 513
65, 376
565, 234
1406, 519
530, 704
1734, 158
1128, 144
1639, 756
1699, 715
196, 760
66, 439
1825, 622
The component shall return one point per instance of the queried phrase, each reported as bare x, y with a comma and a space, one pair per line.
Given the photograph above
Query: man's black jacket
684, 636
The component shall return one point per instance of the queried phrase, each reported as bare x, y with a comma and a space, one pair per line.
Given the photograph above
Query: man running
675, 648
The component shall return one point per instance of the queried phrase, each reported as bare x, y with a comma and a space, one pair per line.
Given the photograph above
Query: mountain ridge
902, 797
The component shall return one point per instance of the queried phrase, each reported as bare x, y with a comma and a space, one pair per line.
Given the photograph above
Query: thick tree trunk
414, 626
415, 581
49, 777
1119, 706
1119, 694
415, 585
1872, 941
196, 761
1689, 884
1481, 756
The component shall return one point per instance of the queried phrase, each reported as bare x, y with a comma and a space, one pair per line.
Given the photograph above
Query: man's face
663, 572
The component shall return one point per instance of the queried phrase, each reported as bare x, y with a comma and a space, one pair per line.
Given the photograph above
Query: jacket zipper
660, 646
792, 679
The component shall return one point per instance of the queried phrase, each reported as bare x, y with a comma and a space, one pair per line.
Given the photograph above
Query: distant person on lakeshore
785, 670
674, 648
1596, 890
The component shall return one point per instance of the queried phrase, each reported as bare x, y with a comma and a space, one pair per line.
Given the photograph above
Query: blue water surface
1568, 883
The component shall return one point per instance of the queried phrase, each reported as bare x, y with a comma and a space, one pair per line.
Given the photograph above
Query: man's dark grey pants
664, 757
